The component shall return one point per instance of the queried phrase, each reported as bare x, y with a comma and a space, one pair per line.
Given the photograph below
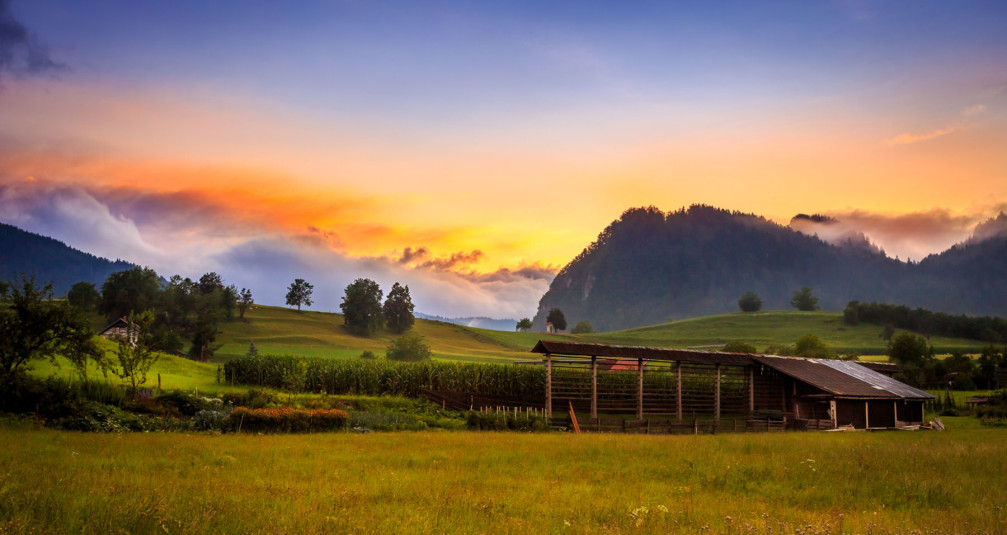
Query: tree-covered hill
649, 266
49, 260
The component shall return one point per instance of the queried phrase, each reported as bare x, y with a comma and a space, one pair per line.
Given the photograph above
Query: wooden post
895, 408
548, 386
639, 389
716, 402
678, 390
867, 415
751, 390
594, 387
835, 417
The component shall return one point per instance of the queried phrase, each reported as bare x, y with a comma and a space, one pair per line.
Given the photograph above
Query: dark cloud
420, 258
20, 52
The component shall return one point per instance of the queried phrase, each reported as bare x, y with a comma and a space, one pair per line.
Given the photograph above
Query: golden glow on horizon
516, 201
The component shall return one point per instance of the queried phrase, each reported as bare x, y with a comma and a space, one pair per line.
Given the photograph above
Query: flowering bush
287, 420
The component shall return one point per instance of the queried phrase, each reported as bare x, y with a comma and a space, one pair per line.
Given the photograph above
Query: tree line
988, 329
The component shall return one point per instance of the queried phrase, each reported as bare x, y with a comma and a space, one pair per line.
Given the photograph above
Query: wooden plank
678, 389
548, 385
573, 418
639, 389
594, 387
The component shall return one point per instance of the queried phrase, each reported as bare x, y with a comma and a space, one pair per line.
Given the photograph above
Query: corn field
383, 377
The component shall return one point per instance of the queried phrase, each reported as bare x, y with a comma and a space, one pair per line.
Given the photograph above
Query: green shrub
286, 420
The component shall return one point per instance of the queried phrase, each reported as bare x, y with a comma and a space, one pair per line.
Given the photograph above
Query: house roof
121, 322
840, 378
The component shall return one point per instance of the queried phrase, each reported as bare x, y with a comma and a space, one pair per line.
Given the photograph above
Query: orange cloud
907, 139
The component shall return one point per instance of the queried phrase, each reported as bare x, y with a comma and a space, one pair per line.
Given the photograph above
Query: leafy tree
210, 282
4, 288
244, 301
750, 302
252, 350
557, 319
582, 327
408, 347
524, 325
83, 296
909, 349
132, 289
804, 301
398, 309
811, 346
134, 353
851, 314
34, 326
362, 312
299, 293
79, 345
913, 355
887, 332
739, 347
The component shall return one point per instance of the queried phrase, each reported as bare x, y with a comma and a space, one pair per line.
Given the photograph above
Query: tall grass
58, 482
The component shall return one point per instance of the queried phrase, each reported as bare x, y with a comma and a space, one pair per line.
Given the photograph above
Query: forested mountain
649, 266
50, 260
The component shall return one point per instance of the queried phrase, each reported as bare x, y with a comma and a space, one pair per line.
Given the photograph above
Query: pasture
430, 482
276, 330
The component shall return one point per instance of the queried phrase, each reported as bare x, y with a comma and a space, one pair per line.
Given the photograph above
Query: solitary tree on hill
750, 302
362, 312
524, 325
804, 301
398, 309
245, 300
557, 319
299, 293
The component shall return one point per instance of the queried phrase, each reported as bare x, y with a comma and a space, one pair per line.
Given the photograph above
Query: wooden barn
687, 385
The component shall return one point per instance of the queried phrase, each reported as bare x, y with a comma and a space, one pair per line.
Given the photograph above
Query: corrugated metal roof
842, 378
877, 380
553, 347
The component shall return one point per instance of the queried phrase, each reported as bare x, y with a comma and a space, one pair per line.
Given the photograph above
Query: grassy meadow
429, 482
277, 330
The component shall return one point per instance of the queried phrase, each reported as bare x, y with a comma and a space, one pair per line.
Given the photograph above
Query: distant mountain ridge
649, 266
49, 260
478, 322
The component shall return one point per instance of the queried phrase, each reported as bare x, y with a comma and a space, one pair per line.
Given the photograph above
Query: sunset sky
471, 149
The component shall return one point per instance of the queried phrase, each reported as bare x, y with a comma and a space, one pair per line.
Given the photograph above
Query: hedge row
287, 420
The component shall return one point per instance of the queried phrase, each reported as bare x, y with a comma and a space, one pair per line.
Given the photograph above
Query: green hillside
276, 330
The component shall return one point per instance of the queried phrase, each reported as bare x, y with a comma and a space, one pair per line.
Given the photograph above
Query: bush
750, 302
209, 420
582, 327
739, 347
409, 348
368, 355
505, 421
286, 420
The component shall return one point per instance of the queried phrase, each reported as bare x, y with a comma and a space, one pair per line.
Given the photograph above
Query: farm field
428, 482
277, 330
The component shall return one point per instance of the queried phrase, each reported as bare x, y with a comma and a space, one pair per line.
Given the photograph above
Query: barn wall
882, 413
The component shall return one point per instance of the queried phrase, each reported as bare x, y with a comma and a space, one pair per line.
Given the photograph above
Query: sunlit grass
504, 483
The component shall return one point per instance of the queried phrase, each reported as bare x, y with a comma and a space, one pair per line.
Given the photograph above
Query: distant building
118, 330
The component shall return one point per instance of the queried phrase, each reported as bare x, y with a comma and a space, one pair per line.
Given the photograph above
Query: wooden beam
594, 387
895, 408
678, 390
716, 403
639, 389
548, 385
751, 390
835, 417
867, 415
